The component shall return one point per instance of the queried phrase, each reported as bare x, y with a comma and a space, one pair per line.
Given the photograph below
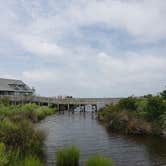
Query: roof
13, 85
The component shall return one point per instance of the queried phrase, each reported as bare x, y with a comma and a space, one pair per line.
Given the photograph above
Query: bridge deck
52, 100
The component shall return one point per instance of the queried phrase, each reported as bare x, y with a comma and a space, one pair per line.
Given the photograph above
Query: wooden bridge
62, 104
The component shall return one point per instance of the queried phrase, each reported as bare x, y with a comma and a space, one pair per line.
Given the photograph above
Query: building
14, 87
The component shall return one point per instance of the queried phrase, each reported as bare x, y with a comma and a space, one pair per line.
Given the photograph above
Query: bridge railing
54, 100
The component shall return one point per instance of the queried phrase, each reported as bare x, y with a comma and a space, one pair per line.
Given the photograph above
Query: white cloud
40, 47
143, 19
39, 75
107, 76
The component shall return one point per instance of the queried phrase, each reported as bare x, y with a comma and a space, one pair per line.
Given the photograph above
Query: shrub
21, 135
68, 156
18, 134
29, 107
3, 155
155, 107
98, 161
128, 103
163, 94
5, 101
42, 112
162, 120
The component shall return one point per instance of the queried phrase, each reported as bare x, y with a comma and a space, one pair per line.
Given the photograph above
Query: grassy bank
141, 116
20, 143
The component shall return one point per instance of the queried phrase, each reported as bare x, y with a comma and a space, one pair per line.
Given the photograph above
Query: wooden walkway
52, 100
58, 102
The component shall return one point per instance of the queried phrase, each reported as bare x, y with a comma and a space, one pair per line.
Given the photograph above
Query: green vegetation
98, 161
145, 115
3, 154
20, 143
68, 156
5, 101
32, 161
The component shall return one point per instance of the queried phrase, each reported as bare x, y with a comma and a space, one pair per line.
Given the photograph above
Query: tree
155, 107
163, 94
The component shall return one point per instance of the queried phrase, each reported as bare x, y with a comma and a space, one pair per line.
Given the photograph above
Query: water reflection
91, 137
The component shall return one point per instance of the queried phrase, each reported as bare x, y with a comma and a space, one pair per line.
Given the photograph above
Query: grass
32, 112
68, 156
22, 144
98, 161
3, 155
32, 161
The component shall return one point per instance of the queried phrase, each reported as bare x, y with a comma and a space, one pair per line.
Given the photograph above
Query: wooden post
58, 107
83, 108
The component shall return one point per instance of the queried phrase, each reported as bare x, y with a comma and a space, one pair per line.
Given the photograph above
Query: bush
155, 107
22, 136
163, 94
19, 136
3, 155
128, 103
98, 161
42, 112
68, 156
5, 101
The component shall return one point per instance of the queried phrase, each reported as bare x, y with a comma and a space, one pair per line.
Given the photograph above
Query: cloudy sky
85, 48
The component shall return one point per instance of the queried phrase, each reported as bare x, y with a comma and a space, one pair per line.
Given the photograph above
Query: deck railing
54, 100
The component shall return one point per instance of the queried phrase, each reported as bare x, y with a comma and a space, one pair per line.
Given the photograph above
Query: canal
84, 131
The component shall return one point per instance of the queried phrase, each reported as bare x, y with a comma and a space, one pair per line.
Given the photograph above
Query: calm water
82, 130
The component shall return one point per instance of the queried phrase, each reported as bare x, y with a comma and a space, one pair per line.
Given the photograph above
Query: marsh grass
68, 156
3, 155
42, 112
98, 161
30, 112
22, 144
32, 161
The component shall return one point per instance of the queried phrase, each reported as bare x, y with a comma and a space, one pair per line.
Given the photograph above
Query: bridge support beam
58, 107
68, 107
82, 108
94, 107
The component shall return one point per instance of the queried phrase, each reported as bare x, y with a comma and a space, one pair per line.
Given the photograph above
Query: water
82, 130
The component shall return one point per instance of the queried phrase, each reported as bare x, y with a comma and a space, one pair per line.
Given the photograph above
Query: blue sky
97, 48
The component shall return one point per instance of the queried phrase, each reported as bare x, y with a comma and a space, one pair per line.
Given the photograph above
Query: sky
85, 48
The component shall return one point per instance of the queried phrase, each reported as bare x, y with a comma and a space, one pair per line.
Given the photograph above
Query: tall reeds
68, 156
